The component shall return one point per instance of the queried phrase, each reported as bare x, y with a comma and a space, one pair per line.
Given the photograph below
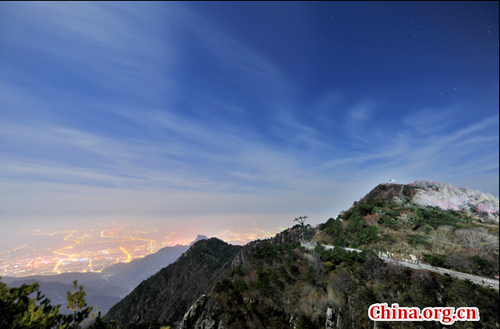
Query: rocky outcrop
288, 236
323, 238
195, 313
330, 320
201, 315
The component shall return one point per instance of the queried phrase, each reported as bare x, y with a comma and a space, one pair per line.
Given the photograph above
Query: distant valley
107, 288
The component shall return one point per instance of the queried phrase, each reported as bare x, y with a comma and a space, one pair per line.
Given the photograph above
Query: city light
85, 250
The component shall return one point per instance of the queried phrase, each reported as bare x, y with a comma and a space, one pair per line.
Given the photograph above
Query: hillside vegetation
389, 220
165, 296
287, 287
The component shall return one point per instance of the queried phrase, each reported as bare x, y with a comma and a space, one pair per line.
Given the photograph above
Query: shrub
477, 238
427, 228
284, 274
392, 223
372, 219
336, 231
305, 322
343, 282
436, 217
241, 284
234, 297
382, 187
389, 239
367, 234
481, 263
311, 273
367, 296
335, 256
417, 239
435, 260
266, 252
468, 237
237, 271
273, 276
407, 216
224, 285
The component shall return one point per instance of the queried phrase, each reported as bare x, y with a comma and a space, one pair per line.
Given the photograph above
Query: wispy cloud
429, 121
138, 110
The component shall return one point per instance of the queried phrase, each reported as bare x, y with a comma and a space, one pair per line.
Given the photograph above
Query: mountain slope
395, 220
289, 287
169, 289
284, 286
130, 275
169, 293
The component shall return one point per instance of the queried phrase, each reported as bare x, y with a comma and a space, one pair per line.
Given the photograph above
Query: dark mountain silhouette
62, 278
169, 293
131, 274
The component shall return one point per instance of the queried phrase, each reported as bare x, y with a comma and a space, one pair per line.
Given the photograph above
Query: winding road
487, 282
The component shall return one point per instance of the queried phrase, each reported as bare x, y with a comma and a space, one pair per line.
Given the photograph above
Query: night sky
231, 119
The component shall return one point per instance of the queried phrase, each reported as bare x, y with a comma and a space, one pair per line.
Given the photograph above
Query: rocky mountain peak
199, 238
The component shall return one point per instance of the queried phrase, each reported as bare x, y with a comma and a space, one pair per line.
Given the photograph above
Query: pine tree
76, 303
18, 310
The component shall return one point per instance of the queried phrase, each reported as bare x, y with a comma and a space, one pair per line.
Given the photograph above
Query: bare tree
373, 267
469, 237
422, 276
458, 261
343, 282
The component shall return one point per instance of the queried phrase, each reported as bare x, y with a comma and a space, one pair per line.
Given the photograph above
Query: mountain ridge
167, 294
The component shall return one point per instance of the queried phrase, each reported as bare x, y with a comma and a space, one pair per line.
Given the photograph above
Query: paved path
474, 278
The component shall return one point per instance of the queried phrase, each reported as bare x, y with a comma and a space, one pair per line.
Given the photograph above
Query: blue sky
212, 117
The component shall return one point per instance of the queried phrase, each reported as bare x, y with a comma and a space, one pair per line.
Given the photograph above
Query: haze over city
231, 119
